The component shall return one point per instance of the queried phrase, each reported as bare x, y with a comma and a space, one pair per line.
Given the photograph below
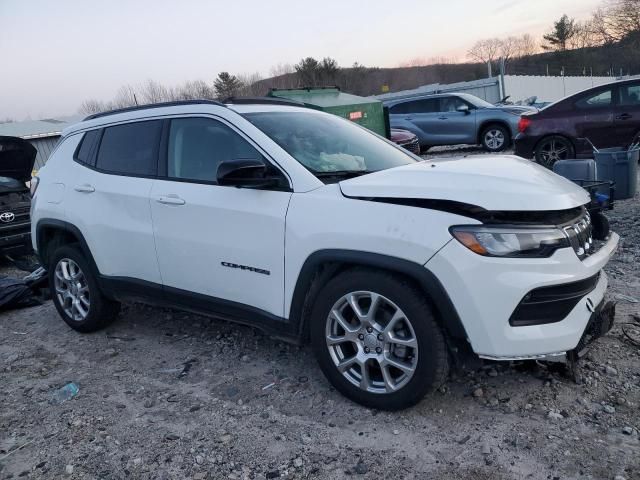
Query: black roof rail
307, 88
153, 105
263, 101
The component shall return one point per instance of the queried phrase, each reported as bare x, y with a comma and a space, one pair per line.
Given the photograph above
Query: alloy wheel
371, 342
494, 139
71, 289
553, 150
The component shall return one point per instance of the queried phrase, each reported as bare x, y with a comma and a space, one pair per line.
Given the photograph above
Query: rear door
109, 198
627, 113
424, 115
456, 127
592, 118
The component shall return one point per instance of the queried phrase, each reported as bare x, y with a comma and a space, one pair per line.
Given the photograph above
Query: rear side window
86, 150
198, 145
595, 100
630, 95
130, 149
428, 105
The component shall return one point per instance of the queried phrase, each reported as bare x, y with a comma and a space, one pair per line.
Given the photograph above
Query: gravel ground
169, 395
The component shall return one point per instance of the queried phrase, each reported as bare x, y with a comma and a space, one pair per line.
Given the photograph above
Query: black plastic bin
620, 166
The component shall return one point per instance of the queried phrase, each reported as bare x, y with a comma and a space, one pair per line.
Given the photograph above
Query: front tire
76, 294
495, 138
376, 339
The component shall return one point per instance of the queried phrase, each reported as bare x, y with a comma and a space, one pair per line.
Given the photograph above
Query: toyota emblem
7, 217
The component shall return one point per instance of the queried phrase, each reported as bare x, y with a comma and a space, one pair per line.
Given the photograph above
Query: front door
456, 127
627, 114
222, 242
593, 118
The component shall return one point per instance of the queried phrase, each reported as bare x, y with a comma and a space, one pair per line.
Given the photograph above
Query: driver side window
198, 145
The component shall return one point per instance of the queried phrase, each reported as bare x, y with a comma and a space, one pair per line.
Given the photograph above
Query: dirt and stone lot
169, 395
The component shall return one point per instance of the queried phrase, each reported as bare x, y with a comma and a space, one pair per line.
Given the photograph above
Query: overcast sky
57, 53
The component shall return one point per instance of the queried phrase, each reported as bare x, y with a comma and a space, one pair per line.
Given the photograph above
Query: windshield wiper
342, 173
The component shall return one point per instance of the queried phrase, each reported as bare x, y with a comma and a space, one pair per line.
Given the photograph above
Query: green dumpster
364, 111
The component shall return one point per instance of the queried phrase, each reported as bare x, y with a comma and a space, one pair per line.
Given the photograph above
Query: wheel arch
494, 121
323, 265
550, 135
51, 233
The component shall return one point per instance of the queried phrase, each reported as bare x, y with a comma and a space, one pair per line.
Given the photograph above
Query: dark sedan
601, 117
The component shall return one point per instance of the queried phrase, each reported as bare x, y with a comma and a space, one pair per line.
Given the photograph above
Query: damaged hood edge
492, 182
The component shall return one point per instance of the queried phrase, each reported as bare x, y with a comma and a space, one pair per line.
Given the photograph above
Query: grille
20, 224
580, 236
413, 146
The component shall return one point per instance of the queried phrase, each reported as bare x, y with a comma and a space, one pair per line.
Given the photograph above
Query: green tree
308, 71
227, 85
563, 30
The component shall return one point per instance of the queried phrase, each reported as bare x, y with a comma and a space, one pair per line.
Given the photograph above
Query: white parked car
316, 230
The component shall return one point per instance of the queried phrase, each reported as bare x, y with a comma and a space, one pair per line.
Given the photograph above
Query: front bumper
486, 291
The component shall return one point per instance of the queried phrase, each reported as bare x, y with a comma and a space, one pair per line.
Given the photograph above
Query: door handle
408, 118
443, 118
624, 116
85, 188
170, 200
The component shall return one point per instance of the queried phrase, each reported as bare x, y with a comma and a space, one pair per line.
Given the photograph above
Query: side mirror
246, 172
463, 109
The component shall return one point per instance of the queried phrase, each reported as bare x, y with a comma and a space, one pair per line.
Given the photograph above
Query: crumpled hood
493, 182
17, 157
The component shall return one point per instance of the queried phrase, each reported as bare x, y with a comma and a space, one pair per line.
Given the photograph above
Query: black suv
16, 163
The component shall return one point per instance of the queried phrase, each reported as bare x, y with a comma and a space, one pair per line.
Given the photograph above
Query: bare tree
283, 76
153, 92
509, 48
251, 86
527, 46
91, 106
485, 51
584, 36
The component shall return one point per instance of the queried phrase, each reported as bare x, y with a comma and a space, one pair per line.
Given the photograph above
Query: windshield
325, 143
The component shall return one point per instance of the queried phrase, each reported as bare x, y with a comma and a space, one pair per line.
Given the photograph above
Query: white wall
548, 89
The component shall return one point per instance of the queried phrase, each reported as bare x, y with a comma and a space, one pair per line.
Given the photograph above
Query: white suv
314, 229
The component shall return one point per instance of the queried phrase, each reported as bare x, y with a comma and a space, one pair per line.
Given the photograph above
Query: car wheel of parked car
376, 339
495, 138
551, 149
76, 294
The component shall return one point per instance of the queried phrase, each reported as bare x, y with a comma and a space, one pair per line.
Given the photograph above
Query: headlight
510, 242
33, 185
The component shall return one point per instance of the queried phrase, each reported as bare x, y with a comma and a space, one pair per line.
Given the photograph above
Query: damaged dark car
17, 157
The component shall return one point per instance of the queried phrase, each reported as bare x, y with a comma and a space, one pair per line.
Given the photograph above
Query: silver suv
458, 118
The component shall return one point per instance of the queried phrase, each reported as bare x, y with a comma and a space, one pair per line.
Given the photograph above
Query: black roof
263, 101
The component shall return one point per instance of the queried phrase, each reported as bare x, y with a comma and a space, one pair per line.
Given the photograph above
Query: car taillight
33, 185
523, 124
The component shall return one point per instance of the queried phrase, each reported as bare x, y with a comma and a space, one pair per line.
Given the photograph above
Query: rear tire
553, 148
495, 138
76, 294
388, 358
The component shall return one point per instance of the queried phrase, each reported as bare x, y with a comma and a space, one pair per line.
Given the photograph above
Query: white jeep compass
315, 230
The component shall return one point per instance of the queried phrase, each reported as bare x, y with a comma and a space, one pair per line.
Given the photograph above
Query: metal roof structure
32, 129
